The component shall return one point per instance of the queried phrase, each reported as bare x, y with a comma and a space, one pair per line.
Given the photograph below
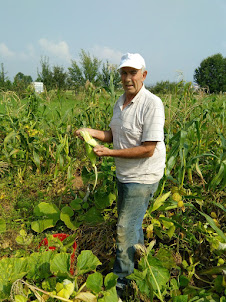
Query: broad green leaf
102, 200
166, 258
20, 298
141, 280
109, 295
174, 284
11, 269
112, 197
150, 246
49, 214
110, 280
46, 209
66, 289
93, 216
39, 265
67, 210
24, 240
49, 284
40, 225
184, 281
65, 216
87, 262
76, 204
218, 284
86, 297
171, 231
161, 274
60, 264
94, 282
2, 225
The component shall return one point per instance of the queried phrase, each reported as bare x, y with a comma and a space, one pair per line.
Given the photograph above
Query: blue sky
173, 36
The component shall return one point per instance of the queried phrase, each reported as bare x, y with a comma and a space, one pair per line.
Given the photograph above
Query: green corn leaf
60, 148
213, 270
219, 205
10, 136
159, 201
36, 159
221, 175
170, 164
213, 226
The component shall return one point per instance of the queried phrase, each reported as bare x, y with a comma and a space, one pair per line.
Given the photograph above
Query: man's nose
128, 77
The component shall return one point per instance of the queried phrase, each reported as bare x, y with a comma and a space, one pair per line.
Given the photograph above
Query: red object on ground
61, 236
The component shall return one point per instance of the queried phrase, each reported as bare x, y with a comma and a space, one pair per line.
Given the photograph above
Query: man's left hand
102, 151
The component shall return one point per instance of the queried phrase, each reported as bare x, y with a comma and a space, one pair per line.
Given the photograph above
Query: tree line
210, 75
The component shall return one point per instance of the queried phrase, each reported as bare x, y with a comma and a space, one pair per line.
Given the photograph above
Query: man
137, 133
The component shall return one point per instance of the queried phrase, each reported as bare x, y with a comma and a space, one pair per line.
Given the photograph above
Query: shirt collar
135, 99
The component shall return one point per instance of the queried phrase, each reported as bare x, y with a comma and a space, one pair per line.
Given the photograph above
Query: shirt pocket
130, 137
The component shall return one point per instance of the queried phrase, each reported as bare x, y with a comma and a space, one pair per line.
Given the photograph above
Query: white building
38, 87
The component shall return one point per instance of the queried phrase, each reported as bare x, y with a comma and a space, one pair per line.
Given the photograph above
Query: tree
21, 82
107, 71
45, 75
59, 78
86, 70
5, 83
211, 74
165, 87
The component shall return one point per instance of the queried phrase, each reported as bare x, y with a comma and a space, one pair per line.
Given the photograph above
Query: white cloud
60, 50
5, 51
31, 51
106, 53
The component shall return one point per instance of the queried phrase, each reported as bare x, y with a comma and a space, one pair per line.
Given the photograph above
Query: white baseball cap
134, 60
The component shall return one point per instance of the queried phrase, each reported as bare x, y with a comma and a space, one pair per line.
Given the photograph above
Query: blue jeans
133, 200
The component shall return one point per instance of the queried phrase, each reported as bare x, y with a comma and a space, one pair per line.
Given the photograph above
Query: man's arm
104, 136
146, 149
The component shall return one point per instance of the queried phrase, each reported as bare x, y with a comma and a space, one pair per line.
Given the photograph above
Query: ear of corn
89, 144
88, 138
90, 153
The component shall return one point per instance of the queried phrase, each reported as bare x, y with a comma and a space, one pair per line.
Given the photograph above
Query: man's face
132, 80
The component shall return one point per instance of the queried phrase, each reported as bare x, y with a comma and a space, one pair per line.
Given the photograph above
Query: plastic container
61, 237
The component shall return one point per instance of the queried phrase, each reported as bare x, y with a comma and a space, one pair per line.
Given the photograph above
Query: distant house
196, 87
38, 87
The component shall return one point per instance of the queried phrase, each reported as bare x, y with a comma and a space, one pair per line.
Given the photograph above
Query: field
47, 188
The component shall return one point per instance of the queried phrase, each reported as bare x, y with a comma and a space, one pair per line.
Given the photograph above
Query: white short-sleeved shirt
142, 120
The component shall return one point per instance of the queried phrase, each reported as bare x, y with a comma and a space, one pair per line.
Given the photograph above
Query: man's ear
145, 74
